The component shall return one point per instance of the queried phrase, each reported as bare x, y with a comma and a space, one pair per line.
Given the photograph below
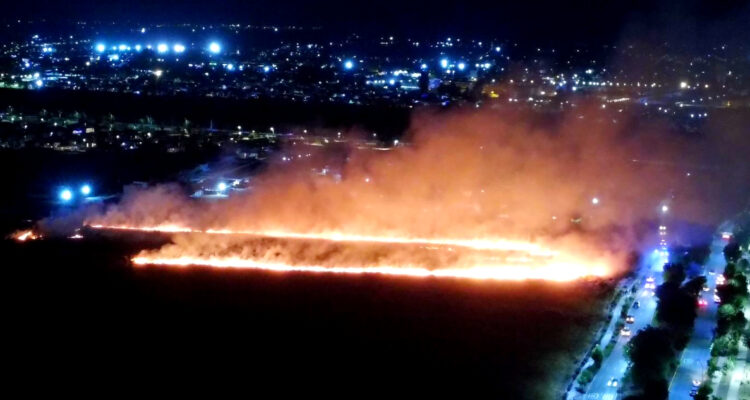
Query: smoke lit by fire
465, 184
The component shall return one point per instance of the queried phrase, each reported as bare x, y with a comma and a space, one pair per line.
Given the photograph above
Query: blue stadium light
178, 48
66, 195
162, 48
348, 64
461, 66
444, 63
101, 47
214, 47
122, 47
138, 47
86, 190
221, 187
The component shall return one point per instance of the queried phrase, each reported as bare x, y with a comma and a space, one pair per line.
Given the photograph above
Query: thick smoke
466, 175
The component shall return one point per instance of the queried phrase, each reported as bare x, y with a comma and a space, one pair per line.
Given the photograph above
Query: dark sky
546, 21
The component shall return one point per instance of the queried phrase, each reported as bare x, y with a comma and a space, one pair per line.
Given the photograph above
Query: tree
674, 273
598, 356
694, 286
704, 391
732, 251
651, 353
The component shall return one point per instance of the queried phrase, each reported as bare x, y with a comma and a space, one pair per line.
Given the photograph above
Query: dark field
80, 315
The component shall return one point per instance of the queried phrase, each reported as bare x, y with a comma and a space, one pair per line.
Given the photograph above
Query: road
615, 365
698, 350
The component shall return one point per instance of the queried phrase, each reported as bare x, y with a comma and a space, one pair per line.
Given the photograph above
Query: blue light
444, 63
230, 67
122, 47
39, 83
392, 82
423, 66
221, 187
214, 48
66, 195
179, 48
461, 66
497, 49
138, 47
162, 48
85, 190
348, 64
101, 47
266, 68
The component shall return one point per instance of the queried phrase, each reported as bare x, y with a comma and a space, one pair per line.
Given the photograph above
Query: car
650, 279
720, 280
637, 305
625, 331
650, 286
630, 319
612, 382
717, 299
693, 391
702, 302
696, 382
706, 288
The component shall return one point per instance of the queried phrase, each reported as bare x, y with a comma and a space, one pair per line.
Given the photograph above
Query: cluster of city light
161, 48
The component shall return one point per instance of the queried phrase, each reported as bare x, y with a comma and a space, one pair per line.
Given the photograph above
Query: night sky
531, 21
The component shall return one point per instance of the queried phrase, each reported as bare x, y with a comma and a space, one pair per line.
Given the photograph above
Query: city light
39, 83
461, 66
683, 85
138, 47
86, 190
158, 72
444, 63
122, 47
178, 48
162, 48
101, 47
214, 48
266, 68
595, 201
221, 187
348, 64
66, 195
423, 66
664, 208
230, 67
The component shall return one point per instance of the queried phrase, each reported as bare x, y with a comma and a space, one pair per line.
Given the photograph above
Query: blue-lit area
214, 47
461, 66
178, 48
86, 190
348, 64
221, 186
66, 195
444, 63
101, 47
162, 48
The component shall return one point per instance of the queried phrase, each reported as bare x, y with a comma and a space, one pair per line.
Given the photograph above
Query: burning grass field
289, 332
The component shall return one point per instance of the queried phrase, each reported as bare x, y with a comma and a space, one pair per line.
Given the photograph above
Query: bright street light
86, 190
66, 195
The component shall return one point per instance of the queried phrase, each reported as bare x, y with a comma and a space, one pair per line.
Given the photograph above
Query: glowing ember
25, 235
554, 271
481, 259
